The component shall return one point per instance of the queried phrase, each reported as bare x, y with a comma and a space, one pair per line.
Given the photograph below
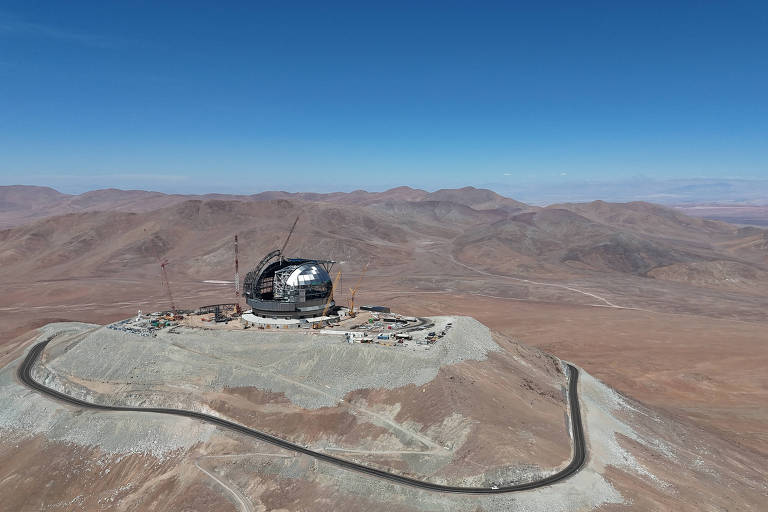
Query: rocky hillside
125, 232
474, 417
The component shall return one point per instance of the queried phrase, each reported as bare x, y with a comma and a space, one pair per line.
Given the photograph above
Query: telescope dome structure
289, 287
308, 279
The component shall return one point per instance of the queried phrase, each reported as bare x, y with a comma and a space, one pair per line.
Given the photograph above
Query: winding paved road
579, 448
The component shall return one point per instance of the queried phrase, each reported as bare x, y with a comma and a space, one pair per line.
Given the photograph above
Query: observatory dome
302, 282
308, 274
289, 287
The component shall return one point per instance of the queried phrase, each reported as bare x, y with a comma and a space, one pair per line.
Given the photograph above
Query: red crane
238, 310
237, 273
167, 285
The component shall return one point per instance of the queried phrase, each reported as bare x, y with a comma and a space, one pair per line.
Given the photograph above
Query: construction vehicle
353, 291
334, 284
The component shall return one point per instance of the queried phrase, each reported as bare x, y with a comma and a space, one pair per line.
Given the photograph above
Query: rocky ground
637, 457
665, 308
404, 409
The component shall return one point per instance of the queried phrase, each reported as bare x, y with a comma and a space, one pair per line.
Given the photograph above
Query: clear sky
247, 96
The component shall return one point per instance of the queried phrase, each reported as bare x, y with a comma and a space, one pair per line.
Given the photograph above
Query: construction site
300, 353
286, 382
289, 293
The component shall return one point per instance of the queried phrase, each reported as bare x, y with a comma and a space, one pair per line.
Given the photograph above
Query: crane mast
237, 273
354, 291
167, 285
282, 250
330, 297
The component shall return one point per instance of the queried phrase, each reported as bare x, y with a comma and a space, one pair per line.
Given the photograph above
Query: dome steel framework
288, 287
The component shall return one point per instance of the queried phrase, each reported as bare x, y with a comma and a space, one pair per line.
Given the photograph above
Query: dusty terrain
401, 409
755, 215
509, 427
665, 308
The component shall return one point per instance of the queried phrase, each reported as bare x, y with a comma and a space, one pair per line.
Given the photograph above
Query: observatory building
289, 287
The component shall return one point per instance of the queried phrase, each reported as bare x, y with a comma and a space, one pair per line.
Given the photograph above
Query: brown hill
649, 219
559, 236
16, 197
355, 197
20, 204
580, 239
192, 234
479, 199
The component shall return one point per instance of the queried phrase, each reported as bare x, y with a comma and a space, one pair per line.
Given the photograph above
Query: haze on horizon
540, 104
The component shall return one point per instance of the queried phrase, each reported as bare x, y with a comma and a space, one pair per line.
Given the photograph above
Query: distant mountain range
24, 203
116, 232
736, 201
670, 192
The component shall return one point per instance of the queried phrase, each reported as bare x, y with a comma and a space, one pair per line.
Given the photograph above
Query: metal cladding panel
308, 274
271, 305
287, 309
316, 308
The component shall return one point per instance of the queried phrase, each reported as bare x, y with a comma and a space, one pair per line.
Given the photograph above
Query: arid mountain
479, 199
649, 219
74, 266
355, 197
17, 197
610, 238
20, 204
195, 235
498, 234
668, 309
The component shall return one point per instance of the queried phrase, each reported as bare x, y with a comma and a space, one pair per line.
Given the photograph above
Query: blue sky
244, 97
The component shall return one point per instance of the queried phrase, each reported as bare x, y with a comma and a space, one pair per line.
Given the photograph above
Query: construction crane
237, 280
318, 325
354, 291
282, 250
330, 297
167, 285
